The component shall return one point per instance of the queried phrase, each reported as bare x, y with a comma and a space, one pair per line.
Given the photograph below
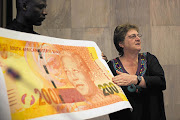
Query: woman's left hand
124, 79
104, 57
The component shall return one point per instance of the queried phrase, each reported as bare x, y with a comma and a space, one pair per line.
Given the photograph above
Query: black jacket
149, 103
15, 25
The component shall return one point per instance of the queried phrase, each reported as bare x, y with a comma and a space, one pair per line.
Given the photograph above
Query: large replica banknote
51, 78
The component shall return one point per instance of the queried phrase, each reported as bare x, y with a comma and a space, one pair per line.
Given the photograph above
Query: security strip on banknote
51, 78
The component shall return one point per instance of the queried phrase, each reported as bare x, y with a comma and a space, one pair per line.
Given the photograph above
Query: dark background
5, 12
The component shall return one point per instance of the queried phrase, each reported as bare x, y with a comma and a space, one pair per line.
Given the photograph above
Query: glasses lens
134, 36
139, 35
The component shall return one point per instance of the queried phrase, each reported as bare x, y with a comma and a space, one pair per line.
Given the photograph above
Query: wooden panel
113, 52
132, 11
90, 13
166, 44
58, 33
102, 36
145, 30
171, 94
59, 14
165, 12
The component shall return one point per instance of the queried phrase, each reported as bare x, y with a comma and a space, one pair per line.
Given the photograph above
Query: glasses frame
133, 36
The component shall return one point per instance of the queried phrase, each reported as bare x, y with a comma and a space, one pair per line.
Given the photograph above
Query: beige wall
95, 20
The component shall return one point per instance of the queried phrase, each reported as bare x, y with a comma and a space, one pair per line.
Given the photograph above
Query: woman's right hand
124, 79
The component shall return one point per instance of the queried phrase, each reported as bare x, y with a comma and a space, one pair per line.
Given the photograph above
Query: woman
139, 74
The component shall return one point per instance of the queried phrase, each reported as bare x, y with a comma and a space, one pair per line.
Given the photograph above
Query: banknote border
52, 40
4, 103
96, 112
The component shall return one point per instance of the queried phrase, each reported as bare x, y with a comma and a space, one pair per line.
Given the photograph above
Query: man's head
31, 12
78, 73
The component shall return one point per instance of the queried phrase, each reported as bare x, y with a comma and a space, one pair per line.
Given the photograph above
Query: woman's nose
138, 38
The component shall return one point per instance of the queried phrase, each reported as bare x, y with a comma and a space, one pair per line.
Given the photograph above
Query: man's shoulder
14, 25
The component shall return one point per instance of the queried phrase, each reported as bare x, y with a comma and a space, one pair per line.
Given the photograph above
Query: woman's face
132, 42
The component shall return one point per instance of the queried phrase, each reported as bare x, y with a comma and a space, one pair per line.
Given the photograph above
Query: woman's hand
124, 79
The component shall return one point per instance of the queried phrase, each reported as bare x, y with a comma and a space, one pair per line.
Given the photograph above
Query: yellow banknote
45, 79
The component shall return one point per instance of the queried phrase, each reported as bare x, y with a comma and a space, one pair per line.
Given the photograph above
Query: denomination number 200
49, 96
108, 88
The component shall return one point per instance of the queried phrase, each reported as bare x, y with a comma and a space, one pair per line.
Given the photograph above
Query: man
29, 13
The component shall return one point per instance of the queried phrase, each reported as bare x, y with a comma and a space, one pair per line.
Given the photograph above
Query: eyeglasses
134, 36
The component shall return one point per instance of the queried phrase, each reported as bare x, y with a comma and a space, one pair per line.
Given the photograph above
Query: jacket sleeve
154, 76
